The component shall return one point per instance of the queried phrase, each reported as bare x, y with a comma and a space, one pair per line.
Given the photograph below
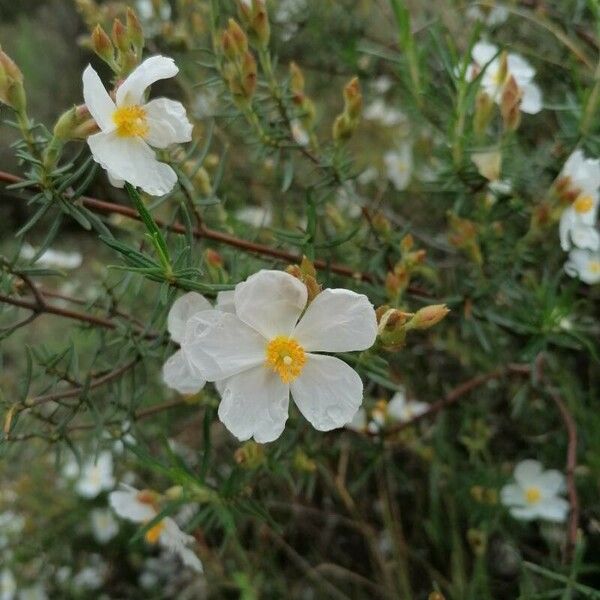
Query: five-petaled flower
266, 349
96, 476
536, 494
130, 126
579, 183
140, 506
584, 264
485, 56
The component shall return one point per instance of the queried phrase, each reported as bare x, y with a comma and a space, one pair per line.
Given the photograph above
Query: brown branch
203, 232
456, 394
571, 428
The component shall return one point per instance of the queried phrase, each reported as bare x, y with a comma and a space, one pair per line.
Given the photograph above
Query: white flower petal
255, 404
115, 181
337, 320
127, 506
226, 301
270, 302
551, 482
531, 101
219, 345
553, 509
180, 375
168, 123
527, 471
132, 160
174, 539
524, 513
512, 495
182, 310
483, 52
328, 392
585, 237
520, 69
152, 69
97, 100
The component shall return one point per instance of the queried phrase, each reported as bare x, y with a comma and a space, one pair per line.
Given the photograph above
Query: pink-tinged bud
238, 37
428, 317
392, 329
296, 79
213, 258
260, 22
227, 45
102, 45
407, 243
353, 98
119, 36
245, 11
135, 31
249, 75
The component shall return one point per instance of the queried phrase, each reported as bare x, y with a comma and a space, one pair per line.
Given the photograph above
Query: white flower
359, 421
179, 372
493, 80
402, 410
138, 506
130, 126
255, 216
580, 180
381, 113
96, 476
91, 577
399, 165
8, 585
495, 15
52, 258
265, 351
585, 265
369, 175
536, 493
382, 84
104, 525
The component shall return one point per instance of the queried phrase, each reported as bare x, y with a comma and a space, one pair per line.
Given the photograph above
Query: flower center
131, 121
533, 495
286, 357
583, 204
153, 533
594, 266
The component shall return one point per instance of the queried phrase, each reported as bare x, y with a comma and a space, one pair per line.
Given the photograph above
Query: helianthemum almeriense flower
579, 182
585, 265
536, 494
131, 127
266, 350
140, 506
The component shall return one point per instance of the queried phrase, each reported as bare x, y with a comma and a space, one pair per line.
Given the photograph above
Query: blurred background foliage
337, 515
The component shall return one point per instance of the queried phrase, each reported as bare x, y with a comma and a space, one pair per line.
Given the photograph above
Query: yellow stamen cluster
153, 533
533, 495
594, 266
286, 357
131, 121
583, 204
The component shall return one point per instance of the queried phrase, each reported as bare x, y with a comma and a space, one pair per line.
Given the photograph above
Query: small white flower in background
52, 258
359, 421
369, 175
383, 114
130, 126
402, 410
8, 585
34, 592
382, 84
399, 166
255, 216
348, 201
585, 265
104, 525
179, 372
96, 476
138, 506
93, 576
265, 351
580, 180
536, 494
493, 80
492, 16
299, 133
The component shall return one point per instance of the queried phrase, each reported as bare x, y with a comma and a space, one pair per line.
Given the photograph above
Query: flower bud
213, 258
436, 596
12, 92
250, 455
510, 105
407, 242
260, 22
296, 79
488, 163
102, 45
249, 75
245, 11
238, 38
484, 107
119, 36
227, 45
353, 99
477, 540
428, 317
392, 329
303, 463
174, 493
342, 128
135, 31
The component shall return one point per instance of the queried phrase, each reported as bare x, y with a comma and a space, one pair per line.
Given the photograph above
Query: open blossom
585, 265
536, 494
104, 525
399, 166
579, 182
493, 15
402, 410
130, 126
266, 350
383, 114
179, 373
140, 507
485, 56
96, 476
